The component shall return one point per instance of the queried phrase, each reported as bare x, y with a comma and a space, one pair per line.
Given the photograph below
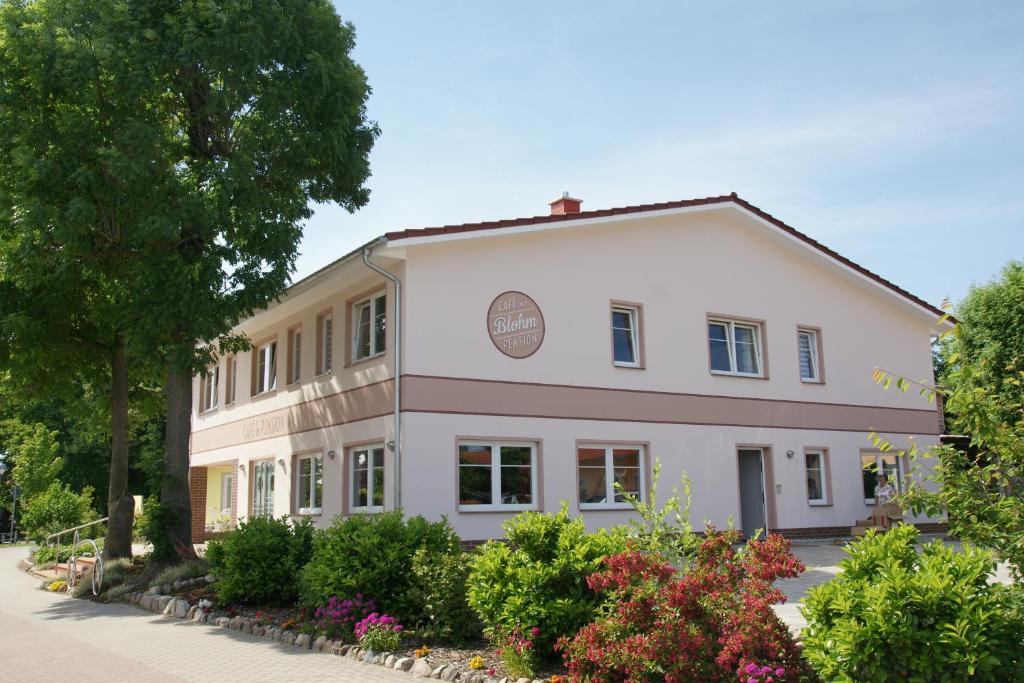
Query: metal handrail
97, 569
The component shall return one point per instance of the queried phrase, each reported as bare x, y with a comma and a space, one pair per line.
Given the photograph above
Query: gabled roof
398, 236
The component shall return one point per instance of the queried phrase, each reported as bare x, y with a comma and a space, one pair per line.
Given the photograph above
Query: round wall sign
515, 324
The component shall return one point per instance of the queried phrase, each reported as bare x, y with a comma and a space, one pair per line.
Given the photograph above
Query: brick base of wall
197, 497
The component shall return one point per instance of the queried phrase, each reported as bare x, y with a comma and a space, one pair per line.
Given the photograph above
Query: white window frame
268, 465
317, 506
326, 332
296, 355
812, 349
231, 390
208, 385
496, 475
373, 302
634, 318
227, 483
368, 449
730, 340
266, 368
879, 457
821, 471
609, 475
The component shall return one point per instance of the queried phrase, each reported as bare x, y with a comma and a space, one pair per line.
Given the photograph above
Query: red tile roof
660, 206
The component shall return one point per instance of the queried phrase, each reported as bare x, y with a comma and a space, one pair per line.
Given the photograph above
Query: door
263, 489
752, 515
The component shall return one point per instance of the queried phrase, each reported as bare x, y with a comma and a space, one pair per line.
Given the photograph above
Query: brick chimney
565, 205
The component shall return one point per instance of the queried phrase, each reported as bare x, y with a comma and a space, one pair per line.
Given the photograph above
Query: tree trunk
120, 504
174, 489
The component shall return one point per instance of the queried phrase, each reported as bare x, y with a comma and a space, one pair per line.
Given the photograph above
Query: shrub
538, 578
895, 615
441, 585
179, 572
56, 508
372, 555
337, 619
708, 624
115, 574
379, 632
259, 562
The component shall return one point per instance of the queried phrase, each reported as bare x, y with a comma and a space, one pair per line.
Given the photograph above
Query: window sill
359, 361
366, 510
743, 375
208, 411
614, 507
811, 381
627, 366
310, 512
262, 395
324, 375
819, 503
496, 508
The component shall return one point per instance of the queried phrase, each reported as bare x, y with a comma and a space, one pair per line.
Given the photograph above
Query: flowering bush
338, 618
477, 663
379, 632
706, 625
752, 673
422, 652
205, 605
264, 619
517, 651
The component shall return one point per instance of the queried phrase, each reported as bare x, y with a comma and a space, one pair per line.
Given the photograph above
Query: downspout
398, 371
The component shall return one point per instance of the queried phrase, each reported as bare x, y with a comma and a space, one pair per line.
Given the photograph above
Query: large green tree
185, 142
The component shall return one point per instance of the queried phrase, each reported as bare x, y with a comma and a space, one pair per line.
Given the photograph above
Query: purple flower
751, 669
780, 672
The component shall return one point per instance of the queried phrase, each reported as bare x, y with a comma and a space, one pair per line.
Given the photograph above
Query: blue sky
891, 131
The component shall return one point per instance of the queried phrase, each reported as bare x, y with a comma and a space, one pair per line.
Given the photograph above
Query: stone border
170, 606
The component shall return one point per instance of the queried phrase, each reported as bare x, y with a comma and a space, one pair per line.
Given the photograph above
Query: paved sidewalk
47, 636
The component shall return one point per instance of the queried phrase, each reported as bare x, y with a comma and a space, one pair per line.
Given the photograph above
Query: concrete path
47, 636
822, 559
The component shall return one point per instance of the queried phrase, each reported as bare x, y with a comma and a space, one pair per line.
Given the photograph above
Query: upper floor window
497, 476
367, 477
600, 468
368, 327
626, 336
294, 355
807, 347
735, 347
208, 389
232, 383
310, 484
266, 367
325, 343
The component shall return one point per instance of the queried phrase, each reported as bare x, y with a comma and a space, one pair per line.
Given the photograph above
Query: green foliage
259, 562
991, 318
896, 615
115, 574
441, 587
666, 531
980, 488
34, 455
373, 555
151, 525
56, 508
180, 572
538, 578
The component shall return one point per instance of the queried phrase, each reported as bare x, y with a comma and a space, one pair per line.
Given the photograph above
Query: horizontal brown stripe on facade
550, 401
352, 405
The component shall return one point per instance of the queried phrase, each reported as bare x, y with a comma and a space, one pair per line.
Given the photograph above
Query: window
735, 348
814, 463
310, 485
325, 343
263, 489
602, 467
873, 466
497, 476
266, 368
626, 336
807, 346
294, 355
368, 334
226, 486
232, 370
208, 389
367, 476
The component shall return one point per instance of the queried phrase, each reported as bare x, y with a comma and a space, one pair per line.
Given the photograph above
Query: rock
403, 663
302, 640
337, 647
165, 601
165, 589
288, 638
389, 661
258, 631
450, 673
370, 657
209, 578
523, 680
181, 608
247, 626
199, 616
421, 668
154, 590
439, 671
223, 622
319, 643
191, 611
278, 634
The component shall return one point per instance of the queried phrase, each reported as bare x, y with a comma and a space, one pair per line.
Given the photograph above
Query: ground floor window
814, 462
310, 486
497, 475
873, 466
600, 468
367, 477
263, 489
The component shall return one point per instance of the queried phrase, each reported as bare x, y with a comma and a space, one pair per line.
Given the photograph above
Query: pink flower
535, 631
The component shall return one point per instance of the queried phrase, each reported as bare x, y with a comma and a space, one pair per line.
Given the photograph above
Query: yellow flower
422, 652
477, 662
